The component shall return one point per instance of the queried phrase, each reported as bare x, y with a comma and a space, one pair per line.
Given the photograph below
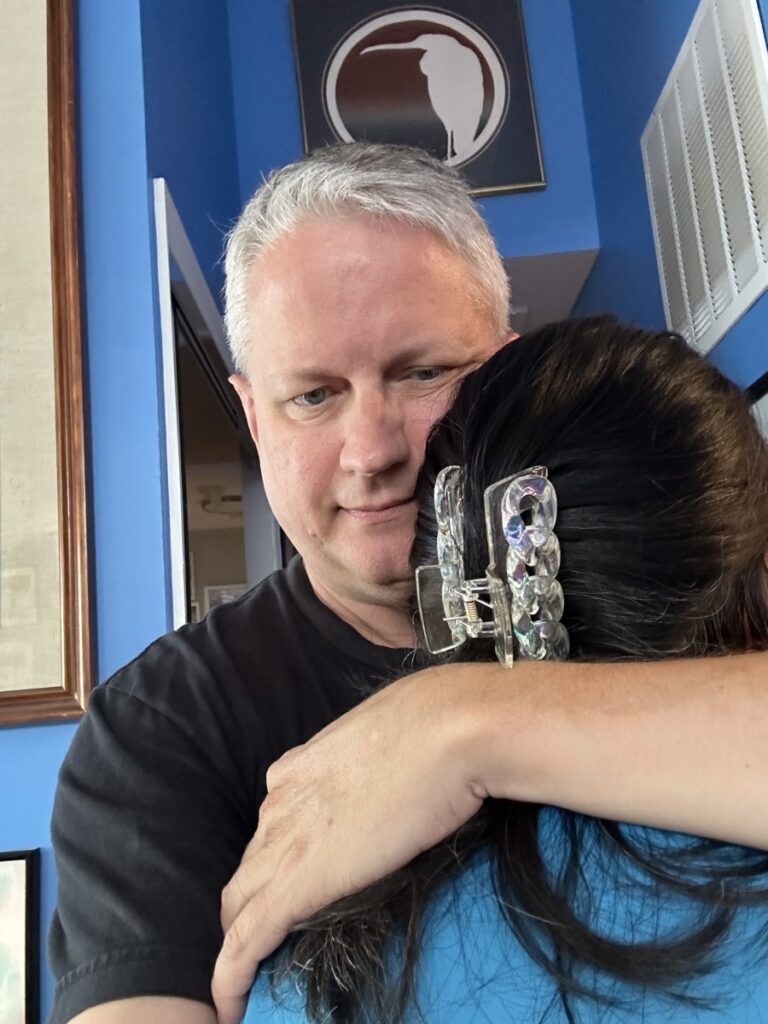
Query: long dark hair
662, 484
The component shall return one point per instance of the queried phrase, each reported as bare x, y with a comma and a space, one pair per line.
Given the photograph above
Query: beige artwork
30, 630
12, 941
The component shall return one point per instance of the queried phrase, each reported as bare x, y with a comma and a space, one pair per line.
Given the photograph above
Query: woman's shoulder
472, 970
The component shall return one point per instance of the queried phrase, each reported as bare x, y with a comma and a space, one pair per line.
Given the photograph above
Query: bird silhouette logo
420, 77
455, 86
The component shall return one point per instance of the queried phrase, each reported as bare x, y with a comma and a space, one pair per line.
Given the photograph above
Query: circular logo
417, 77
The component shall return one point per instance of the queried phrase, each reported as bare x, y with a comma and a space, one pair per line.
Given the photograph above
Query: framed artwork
452, 79
759, 389
45, 651
222, 594
758, 394
19, 937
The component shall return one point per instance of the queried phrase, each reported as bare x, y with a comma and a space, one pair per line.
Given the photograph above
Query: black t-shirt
159, 793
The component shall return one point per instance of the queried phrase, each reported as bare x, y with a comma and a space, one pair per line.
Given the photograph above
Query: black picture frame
22, 868
759, 389
453, 79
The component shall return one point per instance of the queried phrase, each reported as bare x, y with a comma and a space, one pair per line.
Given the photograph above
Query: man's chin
398, 578
394, 579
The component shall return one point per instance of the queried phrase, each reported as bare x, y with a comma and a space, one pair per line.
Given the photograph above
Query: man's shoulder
237, 641
266, 657
238, 626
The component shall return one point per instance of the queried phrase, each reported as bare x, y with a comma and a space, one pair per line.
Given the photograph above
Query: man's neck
388, 623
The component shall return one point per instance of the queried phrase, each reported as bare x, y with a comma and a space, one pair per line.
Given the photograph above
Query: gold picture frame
45, 634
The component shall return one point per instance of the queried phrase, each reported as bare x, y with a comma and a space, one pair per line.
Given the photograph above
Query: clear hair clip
519, 601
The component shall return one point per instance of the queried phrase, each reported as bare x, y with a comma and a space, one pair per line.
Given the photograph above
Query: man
361, 286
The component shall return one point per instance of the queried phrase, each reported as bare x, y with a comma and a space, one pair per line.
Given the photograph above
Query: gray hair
383, 181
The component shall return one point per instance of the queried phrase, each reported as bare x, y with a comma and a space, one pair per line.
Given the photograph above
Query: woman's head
661, 477
662, 483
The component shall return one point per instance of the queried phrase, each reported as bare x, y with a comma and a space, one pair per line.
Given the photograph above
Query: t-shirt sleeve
150, 820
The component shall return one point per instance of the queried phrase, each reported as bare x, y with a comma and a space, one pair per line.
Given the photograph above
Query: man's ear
244, 393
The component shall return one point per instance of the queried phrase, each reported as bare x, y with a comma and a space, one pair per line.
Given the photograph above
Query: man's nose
375, 437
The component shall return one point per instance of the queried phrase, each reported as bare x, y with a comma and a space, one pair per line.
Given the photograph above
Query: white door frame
174, 245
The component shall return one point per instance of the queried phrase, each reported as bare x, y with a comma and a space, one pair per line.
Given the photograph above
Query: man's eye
427, 373
310, 398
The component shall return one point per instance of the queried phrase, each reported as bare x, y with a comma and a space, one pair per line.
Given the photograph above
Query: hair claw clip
519, 602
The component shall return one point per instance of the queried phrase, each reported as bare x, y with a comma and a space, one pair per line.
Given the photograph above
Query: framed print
19, 937
759, 389
758, 394
222, 594
452, 79
45, 659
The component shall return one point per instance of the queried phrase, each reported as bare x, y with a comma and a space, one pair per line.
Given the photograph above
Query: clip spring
469, 592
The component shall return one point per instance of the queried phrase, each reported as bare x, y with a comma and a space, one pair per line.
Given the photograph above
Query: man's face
360, 331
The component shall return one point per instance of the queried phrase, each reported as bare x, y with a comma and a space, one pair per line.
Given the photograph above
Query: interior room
204, 95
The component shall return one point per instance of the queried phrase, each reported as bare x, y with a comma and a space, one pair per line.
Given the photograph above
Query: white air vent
705, 152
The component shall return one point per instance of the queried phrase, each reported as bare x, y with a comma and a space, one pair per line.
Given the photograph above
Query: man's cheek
429, 412
300, 473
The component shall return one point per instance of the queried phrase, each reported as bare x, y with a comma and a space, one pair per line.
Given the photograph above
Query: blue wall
190, 119
124, 409
626, 50
561, 217
128, 501
154, 98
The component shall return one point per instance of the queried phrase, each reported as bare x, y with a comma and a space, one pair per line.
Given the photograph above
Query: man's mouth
380, 512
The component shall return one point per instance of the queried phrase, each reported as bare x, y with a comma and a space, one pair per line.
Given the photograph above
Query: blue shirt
473, 970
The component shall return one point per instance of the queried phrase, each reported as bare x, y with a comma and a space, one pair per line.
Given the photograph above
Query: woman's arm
148, 1010
680, 745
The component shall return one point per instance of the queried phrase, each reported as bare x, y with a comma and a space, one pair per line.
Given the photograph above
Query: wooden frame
20, 898
69, 699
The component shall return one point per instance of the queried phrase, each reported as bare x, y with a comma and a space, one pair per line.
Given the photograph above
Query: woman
531, 913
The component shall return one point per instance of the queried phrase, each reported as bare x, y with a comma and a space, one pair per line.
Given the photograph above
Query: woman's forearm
681, 745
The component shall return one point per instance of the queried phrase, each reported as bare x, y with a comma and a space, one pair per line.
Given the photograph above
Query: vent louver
705, 153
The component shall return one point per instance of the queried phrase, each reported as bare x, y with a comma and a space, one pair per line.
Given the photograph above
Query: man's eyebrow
305, 374
426, 350
430, 351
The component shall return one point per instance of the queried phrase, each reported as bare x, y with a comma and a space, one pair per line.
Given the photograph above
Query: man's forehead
314, 313
384, 246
